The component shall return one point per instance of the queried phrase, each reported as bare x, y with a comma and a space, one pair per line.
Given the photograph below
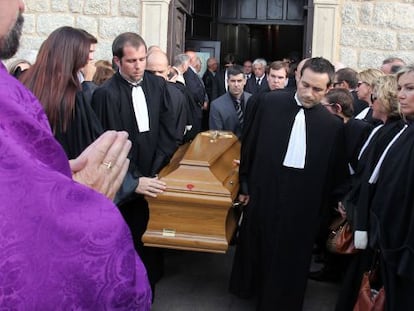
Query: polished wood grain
195, 212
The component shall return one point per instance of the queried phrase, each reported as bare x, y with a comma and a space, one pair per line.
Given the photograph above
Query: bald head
157, 63
153, 48
298, 72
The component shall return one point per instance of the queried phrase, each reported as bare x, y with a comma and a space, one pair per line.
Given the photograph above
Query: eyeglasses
335, 84
361, 82
373, 98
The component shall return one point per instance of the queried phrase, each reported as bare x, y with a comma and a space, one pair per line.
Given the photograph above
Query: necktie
258, 82
239, 111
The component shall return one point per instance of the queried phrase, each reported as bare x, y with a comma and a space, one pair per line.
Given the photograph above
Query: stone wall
374, 30
361, 35
103, 18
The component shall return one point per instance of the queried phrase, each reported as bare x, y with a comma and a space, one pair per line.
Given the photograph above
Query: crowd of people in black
317, 144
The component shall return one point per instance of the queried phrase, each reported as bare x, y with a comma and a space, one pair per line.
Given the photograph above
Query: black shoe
325, 275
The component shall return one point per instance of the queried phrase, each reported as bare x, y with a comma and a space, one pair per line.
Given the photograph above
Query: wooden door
178, 14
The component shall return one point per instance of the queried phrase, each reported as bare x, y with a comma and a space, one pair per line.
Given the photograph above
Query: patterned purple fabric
62, 246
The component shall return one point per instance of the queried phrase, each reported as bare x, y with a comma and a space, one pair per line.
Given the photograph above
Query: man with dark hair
221, 77
247, 68
227, 111
288, 174
133, 100
277, 76
391, 65
346, 78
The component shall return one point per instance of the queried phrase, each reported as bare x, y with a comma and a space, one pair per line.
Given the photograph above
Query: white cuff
361, 239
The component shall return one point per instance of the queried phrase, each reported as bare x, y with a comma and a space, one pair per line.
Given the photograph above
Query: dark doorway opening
271, 42
269, 29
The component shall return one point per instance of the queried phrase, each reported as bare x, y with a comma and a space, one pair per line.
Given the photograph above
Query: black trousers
136, 215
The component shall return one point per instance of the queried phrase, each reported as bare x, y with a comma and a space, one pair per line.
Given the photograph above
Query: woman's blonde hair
385, 88
369, 75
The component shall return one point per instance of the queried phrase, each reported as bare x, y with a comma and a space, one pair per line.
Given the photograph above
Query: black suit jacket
195, 85
220, 85
251, 86
209, 83
359, 104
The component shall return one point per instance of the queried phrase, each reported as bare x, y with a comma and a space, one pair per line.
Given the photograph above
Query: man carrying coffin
288, 175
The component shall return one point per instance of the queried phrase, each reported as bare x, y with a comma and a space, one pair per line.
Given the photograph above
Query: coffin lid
205, 166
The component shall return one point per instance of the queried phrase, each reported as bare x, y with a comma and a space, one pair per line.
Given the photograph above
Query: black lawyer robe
82, 130
361, 193
178, 104
392, 222
356, 133
192, 111
286, 204
150, 150
357, 209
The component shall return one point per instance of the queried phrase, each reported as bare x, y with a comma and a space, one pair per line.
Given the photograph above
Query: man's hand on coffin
150, 186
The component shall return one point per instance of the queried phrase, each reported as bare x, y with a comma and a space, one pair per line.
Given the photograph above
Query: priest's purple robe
63, 246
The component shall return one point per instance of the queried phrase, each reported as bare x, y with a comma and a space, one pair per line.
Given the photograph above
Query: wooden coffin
195, 212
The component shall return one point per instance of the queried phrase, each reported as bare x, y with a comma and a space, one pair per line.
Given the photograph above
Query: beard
10, 43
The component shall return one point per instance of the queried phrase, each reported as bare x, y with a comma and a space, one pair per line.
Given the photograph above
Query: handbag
370, 299
341, 238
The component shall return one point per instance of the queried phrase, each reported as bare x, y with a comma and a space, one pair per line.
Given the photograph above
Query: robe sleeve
177, 103
167, 144
339, 185
107, 108
248, 143
181, 122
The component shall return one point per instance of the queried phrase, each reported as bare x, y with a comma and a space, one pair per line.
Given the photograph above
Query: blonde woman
364, 88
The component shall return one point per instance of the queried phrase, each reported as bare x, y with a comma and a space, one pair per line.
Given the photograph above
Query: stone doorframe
325, 37
326, 29
154, 22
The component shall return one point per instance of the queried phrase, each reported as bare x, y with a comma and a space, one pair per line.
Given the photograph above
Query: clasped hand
103, 165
